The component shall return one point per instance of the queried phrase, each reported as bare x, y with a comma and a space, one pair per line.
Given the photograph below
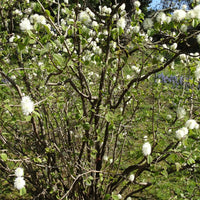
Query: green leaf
28, 118
190, 161
37, 114
164, 173
149, 159
4, 156
107, 196
59, 59
115, 197
23, 191
109, 117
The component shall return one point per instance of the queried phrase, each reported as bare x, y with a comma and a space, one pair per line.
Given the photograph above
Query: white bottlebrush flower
19, 183
161, 17
181, 133
119, 196
181, 112
84, 17
192, 124
137, 4
146, 148
19, 172
179, 15
131, 177
121, 22
129, 198
147, 23
27, 105
25, 25
66, 1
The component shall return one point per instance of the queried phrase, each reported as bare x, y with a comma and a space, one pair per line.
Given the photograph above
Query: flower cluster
183, 132
19, 181
25, 24
146, 148
27, 105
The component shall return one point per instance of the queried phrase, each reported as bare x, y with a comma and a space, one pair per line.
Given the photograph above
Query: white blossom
84, 17
66, 1
183, 56
181, 112
105, 158
94, 24
129, 198
174, 46
135, 68
137, 4
146, 148
161, 17
122, 7
191, 14
17, 12
184, 7
196, 11
168, 19
179, 15
181, 133
138, 12
19, 183
38, 19
192, 124
105, 10
25, 24
19, 172
119, 196
131, 177
136, 29
183, 28
147, 23
121, 22
27, 105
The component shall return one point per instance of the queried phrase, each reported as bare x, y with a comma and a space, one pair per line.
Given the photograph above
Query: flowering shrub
79, 98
